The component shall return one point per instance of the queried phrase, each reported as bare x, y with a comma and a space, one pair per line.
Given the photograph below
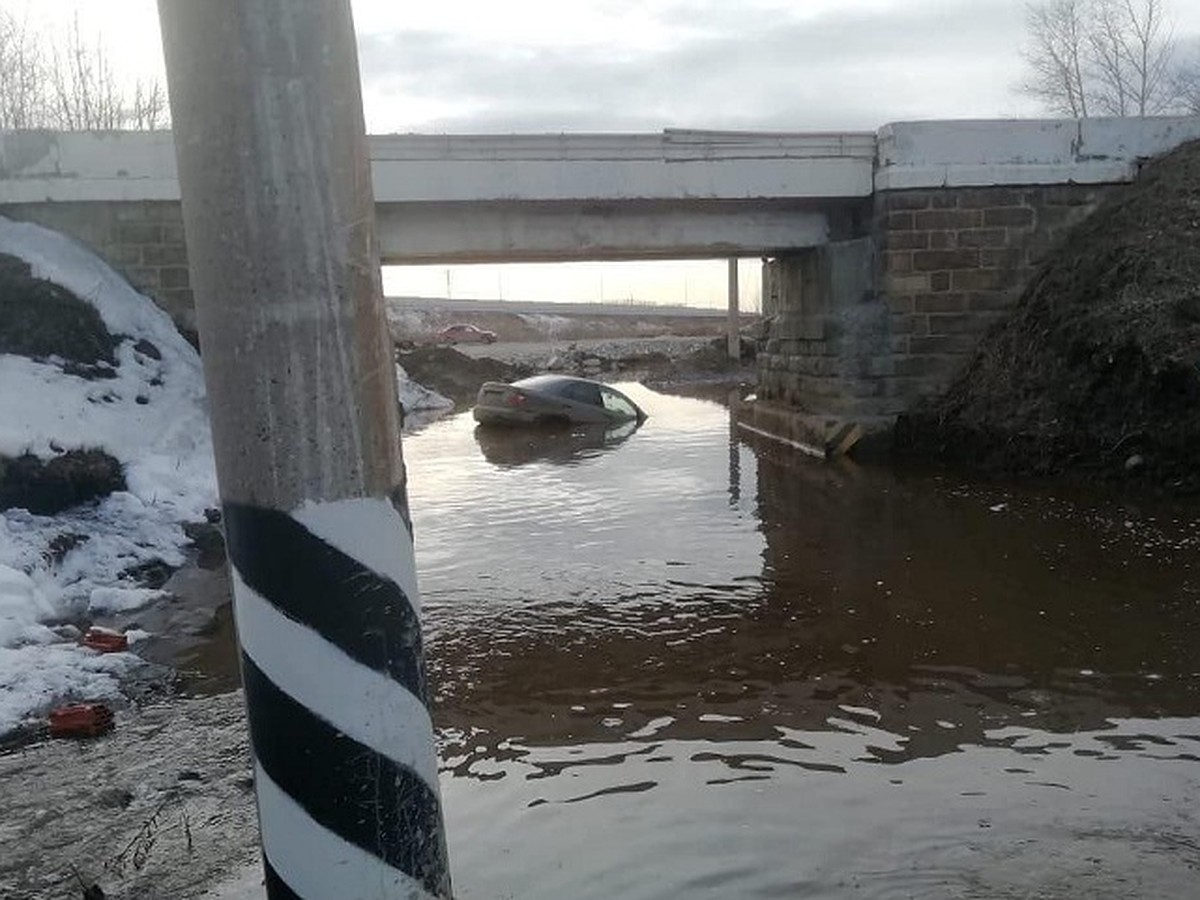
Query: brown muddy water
685, 661
688, 662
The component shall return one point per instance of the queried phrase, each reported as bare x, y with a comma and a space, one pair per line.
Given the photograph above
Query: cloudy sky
645, 65
648, 64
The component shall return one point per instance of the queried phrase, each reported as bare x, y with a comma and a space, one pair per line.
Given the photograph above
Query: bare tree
69, 83
1186, 78
147, 108
1112, 57
1058, 43
1131, 51
86, 95
22, 75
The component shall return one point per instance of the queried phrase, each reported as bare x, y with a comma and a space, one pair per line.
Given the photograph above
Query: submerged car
553, 399
466, 334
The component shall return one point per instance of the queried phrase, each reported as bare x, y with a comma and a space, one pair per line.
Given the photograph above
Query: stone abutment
862, 329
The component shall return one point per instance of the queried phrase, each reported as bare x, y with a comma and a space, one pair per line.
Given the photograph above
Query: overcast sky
650, 64
645, 65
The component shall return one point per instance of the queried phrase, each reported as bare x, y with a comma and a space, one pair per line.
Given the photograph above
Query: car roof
545, 381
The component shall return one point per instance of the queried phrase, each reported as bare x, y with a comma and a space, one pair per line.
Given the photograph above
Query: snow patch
414, 397
37, 676
153, 418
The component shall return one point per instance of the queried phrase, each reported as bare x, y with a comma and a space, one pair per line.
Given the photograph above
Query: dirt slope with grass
1097, 371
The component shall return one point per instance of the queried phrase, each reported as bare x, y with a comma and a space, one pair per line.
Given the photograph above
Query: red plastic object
81, 720
105, 640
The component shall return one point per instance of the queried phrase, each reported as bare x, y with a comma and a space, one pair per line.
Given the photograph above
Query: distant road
466, 307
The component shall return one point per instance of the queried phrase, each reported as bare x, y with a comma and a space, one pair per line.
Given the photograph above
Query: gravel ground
539, 353
161, 807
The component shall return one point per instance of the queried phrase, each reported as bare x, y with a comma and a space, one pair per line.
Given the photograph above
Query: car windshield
617, 403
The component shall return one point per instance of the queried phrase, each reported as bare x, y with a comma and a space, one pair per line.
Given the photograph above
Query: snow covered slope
151, 417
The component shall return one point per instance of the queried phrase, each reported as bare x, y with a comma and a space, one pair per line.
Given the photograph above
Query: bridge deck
551, 197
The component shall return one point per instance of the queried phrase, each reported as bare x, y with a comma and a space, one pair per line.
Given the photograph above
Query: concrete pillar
735, 343
279, 219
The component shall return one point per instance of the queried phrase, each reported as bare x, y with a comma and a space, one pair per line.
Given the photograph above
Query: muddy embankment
458, 375
1096, 374
419, 321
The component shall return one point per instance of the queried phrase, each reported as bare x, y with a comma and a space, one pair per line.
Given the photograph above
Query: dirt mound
1097, 371
47, 488
40, 320
456, 375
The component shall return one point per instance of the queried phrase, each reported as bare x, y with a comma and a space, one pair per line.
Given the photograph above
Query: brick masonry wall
944, 265
953, 261
143, 240
828, 344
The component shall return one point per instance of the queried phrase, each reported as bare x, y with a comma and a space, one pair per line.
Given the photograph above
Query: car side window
614, 402
583, 393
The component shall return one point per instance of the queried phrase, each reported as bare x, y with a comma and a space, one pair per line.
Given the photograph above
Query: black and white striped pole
278, 211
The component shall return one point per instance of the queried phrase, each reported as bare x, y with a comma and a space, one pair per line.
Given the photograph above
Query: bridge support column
829, 350
735, 343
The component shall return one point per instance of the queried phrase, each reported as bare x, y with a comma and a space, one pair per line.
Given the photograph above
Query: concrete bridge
887, 253
522, 198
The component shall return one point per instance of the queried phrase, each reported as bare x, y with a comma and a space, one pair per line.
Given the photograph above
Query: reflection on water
550, 443
685, 663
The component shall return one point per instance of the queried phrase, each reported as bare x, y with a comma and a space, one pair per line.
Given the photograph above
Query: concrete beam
53, 166
674, 165
413, 234
526, 198
683, 166
1023, 152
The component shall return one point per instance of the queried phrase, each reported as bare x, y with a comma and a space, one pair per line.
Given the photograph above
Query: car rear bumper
491, 415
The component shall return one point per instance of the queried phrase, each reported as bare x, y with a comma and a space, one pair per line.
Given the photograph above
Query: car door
586, 402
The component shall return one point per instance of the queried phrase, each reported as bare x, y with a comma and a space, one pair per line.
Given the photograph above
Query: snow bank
22, 607
153, 418
416, 397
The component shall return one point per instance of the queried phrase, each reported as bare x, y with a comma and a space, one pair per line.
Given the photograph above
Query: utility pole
279, 217
733, 325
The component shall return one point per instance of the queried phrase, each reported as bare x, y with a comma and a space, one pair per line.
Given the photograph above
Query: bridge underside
577, 231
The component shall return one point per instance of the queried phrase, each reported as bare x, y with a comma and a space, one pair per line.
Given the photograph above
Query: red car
466, 334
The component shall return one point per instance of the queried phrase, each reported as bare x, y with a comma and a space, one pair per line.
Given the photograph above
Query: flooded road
684, 661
